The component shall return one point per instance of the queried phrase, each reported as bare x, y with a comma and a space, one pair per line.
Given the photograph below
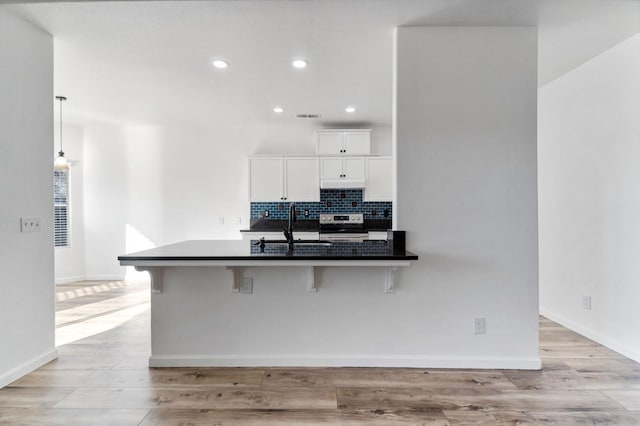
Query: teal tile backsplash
331, 201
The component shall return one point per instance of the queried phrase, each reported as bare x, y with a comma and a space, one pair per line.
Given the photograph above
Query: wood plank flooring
101, 378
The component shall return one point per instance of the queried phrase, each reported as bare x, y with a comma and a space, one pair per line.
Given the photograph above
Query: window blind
61, 207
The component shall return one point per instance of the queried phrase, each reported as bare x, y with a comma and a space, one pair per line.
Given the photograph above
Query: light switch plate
479, 325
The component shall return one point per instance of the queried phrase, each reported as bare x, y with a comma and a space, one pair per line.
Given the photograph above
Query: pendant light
61, 162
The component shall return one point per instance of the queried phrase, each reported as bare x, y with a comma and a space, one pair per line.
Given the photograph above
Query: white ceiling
149, 62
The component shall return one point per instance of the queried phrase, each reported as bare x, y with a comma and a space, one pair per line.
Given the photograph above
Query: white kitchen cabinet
342, 172
343, 142
328, 142
301, 179
284, 179
330, 168
353, 167
378, 179
266, 177
342, 167
356, 142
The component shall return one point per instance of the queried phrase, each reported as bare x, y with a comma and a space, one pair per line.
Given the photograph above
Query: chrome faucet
288, 232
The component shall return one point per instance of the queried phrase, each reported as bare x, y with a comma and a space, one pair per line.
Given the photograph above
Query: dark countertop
306, 225
246, 250
277, 225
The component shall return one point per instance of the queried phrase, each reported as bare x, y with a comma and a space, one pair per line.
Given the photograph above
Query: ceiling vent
308, 115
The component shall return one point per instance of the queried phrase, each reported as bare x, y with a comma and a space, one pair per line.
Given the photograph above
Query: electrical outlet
586, 302
221, 220
266, 213
238, 220
479, 325
306, 213
246, 286
29, 224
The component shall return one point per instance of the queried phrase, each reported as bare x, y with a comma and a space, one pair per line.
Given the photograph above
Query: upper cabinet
328, 142
301, 177
343, 142
342, 172
379, 179
284, 178
356, 142
265, 178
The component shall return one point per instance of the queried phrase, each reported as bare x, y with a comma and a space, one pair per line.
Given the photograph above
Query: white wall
146, 186
589, 151
70, 261
466, 173
26, 185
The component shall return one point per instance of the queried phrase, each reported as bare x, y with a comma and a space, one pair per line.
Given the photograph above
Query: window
61, 207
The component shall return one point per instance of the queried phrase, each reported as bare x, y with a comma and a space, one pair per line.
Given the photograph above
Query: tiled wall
331, 201
369, 248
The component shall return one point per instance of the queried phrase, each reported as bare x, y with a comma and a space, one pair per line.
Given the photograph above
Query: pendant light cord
61, 150
61, 98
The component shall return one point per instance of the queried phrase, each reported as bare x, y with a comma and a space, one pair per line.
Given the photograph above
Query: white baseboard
71, 279
27, 367
610, 343
66, 280
104, 277
342, 361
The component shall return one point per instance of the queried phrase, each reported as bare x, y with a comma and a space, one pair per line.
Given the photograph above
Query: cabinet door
301, 179
328, 142
330, 167
265, 179
353, 167
379, 179
356, 143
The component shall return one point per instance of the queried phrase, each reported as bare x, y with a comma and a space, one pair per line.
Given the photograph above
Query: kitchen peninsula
237, 303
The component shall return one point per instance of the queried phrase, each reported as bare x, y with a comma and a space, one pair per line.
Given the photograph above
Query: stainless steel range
343, 227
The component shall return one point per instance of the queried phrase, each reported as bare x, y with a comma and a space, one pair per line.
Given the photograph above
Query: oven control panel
349, 218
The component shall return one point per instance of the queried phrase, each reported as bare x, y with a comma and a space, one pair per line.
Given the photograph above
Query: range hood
341, 183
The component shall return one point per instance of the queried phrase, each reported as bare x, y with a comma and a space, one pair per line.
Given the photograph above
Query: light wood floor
101, 377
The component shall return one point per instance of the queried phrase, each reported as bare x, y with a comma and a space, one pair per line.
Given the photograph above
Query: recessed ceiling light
350, 109
278, 110
219, 63
299, 63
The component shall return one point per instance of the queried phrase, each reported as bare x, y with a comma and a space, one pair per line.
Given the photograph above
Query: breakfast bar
243, 303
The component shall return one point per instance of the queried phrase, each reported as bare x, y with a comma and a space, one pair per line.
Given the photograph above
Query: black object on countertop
288, 231
397, 240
